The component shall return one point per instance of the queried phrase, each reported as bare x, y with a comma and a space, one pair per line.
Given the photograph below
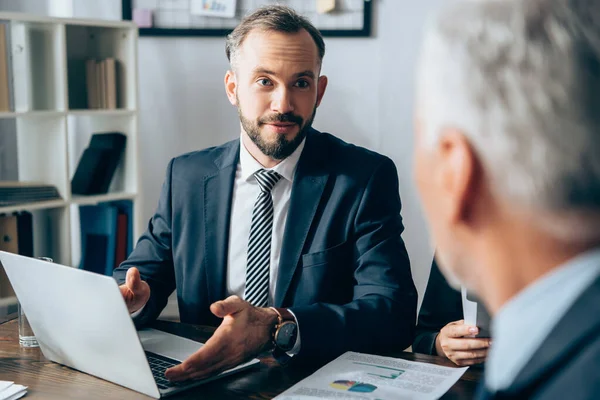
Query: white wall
369, 100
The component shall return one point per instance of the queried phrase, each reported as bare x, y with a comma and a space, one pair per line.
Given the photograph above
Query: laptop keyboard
158, 365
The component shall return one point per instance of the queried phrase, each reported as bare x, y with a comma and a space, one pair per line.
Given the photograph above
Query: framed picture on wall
341, 18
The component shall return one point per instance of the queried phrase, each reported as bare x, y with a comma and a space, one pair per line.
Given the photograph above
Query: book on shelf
101, 83
124, 233
98, 163
110, 80
106, 235
16, 236
5, 105
16, 192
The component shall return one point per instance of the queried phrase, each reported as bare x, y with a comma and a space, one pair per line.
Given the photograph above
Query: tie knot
266, 179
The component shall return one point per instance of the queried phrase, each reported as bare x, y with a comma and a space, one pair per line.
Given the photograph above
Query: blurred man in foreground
507, 165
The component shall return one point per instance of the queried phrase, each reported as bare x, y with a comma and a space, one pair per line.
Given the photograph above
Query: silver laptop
80, 320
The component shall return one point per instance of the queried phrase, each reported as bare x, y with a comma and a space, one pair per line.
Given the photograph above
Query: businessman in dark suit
287, 238
508, 170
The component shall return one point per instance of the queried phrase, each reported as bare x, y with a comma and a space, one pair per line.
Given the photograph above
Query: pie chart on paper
353, 386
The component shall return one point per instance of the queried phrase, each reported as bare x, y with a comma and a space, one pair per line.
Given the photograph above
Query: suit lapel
218, 194
309, 182
575, 329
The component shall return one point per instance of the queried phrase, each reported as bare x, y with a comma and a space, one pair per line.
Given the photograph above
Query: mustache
287, 117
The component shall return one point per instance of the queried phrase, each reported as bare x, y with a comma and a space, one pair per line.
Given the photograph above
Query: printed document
355, 376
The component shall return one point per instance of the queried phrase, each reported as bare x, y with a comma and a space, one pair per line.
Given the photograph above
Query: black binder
98, 163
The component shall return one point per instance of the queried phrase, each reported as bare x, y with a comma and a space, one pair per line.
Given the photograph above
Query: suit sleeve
441, 305
382, 313
153, 257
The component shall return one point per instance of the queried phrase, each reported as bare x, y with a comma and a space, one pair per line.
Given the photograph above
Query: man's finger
465, 344
460, 330
201, 363
188, 373
124, 291
470, 361
229, 306
469, 355
132, 279
178, 373
196, 366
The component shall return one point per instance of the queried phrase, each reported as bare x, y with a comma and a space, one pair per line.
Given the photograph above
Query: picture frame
212, 26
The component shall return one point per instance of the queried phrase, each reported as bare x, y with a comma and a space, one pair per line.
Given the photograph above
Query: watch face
286, 336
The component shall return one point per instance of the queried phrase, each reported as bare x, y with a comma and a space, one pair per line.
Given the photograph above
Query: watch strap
284, 315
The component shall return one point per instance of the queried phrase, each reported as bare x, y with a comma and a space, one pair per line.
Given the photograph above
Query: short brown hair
272, 18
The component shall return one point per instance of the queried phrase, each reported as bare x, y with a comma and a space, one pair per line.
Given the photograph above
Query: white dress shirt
245, 193
524, 322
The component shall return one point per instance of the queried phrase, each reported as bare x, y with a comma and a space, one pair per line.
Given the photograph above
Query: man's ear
321, 86
231, 87
459, 175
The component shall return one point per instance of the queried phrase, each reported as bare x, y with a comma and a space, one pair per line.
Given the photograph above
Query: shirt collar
286, 168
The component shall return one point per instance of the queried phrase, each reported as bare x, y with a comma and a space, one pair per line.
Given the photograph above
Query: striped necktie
259, 245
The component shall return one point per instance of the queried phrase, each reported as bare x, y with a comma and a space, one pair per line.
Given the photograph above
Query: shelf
38, 205
101, 198
48, 127
34, 114
102, 112
19, 16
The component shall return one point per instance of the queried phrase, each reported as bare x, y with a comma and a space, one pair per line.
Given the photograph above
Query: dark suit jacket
441, 305
344, 270
567, 365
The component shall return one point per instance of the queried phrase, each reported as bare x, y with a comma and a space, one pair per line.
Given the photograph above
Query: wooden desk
47, 380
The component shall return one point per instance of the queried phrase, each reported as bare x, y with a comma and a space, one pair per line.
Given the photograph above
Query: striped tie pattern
259, 245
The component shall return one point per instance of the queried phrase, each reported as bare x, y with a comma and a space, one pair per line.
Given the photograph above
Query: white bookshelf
53, 125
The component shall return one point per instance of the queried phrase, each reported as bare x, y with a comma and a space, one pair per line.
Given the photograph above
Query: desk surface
47, 380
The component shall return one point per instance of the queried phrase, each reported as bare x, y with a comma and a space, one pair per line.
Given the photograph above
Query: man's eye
302, 84
264, 82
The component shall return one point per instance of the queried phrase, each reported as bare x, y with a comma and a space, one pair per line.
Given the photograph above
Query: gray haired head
521, 79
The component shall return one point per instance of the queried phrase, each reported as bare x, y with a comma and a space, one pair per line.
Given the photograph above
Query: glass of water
26, 336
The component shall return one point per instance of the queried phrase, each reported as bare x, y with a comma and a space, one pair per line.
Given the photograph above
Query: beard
281, 148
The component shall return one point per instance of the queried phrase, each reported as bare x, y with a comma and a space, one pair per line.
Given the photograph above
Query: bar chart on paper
382, 371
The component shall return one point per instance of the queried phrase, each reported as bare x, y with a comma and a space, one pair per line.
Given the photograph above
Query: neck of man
515, 255
256, 153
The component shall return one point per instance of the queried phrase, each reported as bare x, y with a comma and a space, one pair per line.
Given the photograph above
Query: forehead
279, 50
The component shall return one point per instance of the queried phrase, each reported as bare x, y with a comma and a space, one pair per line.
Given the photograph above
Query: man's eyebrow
261, 70
308, 73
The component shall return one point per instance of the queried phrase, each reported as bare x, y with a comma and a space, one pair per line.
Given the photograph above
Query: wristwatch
284, 334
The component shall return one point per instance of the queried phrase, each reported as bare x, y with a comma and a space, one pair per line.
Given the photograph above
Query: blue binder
98, 237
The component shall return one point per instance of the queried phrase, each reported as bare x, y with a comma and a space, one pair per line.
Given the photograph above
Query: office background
369, 100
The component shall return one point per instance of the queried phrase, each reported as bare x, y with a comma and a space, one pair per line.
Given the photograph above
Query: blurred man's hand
453, 343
